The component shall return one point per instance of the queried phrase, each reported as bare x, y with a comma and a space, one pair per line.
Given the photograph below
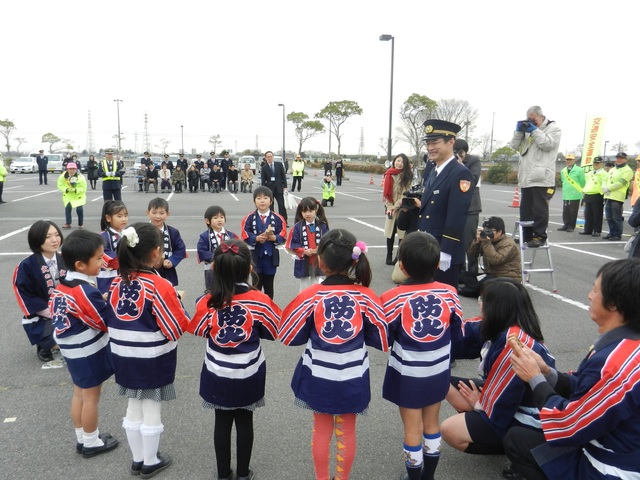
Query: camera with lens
486, 233
408, 197
523, 125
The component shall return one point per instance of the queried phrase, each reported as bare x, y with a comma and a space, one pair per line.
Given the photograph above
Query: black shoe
389, 261
148, 471
585, 233
248, 477
607, 236
614, 239
468, 292
563, 228
595, 234
2, 201
109, 444
44, 355
510, 473
136, 467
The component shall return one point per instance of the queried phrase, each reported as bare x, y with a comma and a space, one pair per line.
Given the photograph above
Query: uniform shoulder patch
465, 185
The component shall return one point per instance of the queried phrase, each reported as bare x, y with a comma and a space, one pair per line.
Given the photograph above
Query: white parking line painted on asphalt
365, 224
593, 254
15, 232
369, 189
32, 196
558, 297
170, 195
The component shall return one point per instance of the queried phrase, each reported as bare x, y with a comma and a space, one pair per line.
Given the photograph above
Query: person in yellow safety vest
635, 186
297, 170
615, 191
573, 181
110, 172
328, 190
3, 177
593, 198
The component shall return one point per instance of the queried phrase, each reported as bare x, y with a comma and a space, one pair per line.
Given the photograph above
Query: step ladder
528, 265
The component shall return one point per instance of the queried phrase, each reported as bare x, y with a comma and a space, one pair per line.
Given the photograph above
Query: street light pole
493, 119
117, 100
386, 38
284, 162
182, 138
605, 150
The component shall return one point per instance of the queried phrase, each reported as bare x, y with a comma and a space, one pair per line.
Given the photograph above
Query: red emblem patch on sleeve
465, 185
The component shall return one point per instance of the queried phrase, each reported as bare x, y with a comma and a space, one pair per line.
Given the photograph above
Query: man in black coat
446, 199
42, 160
472, 162
273, 176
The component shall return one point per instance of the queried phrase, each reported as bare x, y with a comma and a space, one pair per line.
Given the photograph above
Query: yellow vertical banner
593, 134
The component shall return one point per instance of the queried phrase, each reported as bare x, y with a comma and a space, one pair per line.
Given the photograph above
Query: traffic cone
371, 180
315, 173
382, 181
516, 199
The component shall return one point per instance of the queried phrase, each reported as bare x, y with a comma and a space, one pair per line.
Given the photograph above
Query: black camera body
408, 197
487, 233
523, 125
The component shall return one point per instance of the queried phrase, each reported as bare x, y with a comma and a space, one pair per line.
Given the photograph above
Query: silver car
24, 165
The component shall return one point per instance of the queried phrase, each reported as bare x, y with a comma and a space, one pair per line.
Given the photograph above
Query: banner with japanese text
593, 135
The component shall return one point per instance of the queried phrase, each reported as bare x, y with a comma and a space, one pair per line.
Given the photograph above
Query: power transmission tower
146, 138
361, 148
90, 145
135, 142
257, 149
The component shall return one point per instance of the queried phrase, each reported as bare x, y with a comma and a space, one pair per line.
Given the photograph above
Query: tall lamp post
284, 161
182, 138
117, 100
386, 38
605, 150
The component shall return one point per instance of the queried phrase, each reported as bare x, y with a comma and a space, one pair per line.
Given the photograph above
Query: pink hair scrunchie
359, 248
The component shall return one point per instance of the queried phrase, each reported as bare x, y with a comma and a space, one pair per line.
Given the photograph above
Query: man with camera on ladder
537, 140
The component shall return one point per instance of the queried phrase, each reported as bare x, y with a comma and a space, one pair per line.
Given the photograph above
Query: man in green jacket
615, 191
593, 198
573, 181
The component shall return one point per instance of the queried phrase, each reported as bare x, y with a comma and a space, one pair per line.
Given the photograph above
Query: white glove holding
606, 191
445, 261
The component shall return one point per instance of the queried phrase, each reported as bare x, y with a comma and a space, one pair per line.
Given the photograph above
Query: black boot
389, 261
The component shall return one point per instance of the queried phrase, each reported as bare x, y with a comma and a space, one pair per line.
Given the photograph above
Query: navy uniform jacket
444, 207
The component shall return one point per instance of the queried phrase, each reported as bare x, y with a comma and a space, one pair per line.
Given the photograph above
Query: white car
250, 159
24, 165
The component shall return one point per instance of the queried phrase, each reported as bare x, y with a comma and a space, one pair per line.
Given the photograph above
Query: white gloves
606, 191
445, 261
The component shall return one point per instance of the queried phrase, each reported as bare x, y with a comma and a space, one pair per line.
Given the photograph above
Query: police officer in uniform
442, 211
111, 174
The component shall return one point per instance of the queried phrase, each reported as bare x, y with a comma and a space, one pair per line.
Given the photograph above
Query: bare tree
164, 143
20, 141
413, 112
458, 111
336, 113
215, 141
619, 147
6, 129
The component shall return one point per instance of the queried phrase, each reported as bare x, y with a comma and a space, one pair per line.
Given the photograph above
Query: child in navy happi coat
234, 317
420, 312
79, 312
310, 225
263, 230
148, 320
33, 282
336, 320
174, 248
114, 219
216, 233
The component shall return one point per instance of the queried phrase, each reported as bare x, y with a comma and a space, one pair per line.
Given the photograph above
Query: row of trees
7, 127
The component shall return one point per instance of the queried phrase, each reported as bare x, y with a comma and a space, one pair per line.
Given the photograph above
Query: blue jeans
79, 211
613, 214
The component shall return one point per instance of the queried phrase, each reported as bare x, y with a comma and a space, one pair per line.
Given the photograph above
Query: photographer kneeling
501, 256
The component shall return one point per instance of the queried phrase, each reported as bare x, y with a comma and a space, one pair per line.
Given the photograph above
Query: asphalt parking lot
36, 434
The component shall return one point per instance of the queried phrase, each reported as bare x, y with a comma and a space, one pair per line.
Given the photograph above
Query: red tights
324, 426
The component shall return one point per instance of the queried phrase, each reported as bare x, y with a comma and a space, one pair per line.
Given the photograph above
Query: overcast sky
222, 67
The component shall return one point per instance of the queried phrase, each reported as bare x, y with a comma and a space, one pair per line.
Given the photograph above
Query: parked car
24, 165
250, 159
83, 163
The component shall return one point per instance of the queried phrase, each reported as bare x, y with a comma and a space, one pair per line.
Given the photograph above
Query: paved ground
36, 435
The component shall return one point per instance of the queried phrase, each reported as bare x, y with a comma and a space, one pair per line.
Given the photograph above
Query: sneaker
66, 226
44, 355
536, 242
148, 471
614, 239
